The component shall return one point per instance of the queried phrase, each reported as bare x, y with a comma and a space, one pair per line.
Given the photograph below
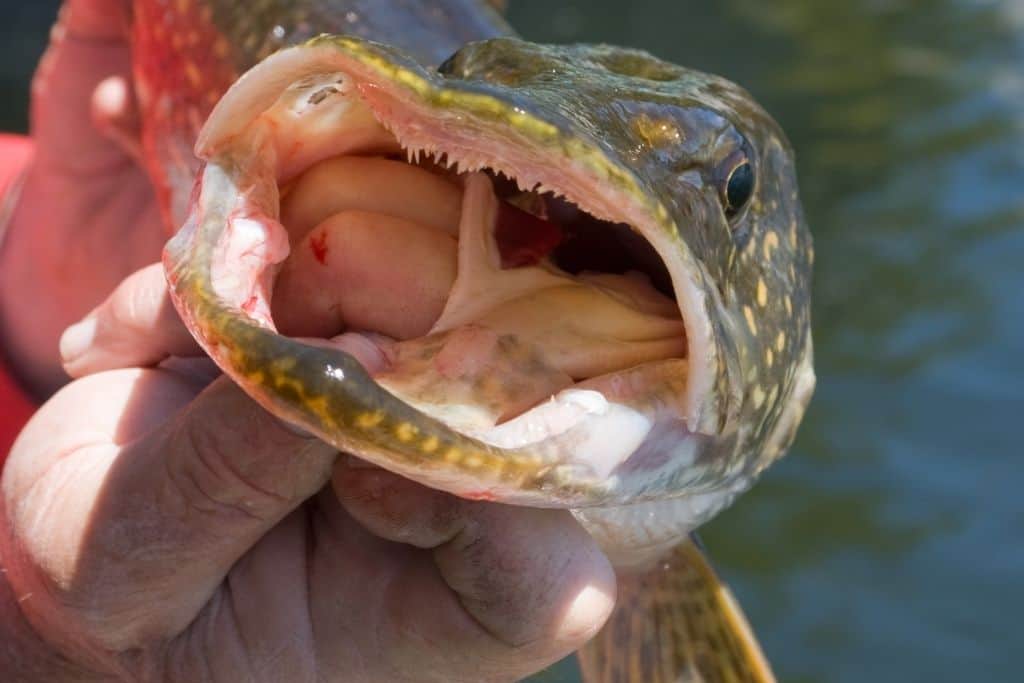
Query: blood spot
524, 239
480, 495
318, 243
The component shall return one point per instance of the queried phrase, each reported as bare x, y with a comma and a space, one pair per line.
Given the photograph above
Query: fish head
685, 162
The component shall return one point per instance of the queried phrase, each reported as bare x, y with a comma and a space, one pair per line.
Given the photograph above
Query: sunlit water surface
889, 545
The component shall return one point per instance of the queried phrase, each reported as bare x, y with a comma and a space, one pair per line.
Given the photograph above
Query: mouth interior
479, 296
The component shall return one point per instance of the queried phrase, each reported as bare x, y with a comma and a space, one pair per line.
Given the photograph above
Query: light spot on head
780, 341
751, 374
748, 313
771, 243
758, 396
762, 293
788, 301
657, 132
769, 357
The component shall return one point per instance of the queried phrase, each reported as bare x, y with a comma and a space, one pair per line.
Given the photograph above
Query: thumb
136, 326
194, 497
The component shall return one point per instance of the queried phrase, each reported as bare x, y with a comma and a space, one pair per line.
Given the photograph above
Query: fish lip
385, 71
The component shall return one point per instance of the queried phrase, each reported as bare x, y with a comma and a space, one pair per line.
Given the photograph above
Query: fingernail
77, 339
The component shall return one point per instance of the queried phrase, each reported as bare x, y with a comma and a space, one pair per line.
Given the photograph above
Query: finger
88, 44
532, 580
98, 19
136, 326
115, 113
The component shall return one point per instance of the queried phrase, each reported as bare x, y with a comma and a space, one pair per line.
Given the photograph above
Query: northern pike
612, 250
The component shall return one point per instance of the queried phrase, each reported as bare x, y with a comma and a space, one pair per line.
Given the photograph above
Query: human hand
87, 216
156, 529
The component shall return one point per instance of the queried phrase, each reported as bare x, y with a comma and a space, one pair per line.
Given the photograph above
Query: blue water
889, 545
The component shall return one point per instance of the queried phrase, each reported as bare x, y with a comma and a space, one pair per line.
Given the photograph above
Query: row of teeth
417, 149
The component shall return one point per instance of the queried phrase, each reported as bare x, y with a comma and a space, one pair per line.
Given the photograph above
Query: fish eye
738, 187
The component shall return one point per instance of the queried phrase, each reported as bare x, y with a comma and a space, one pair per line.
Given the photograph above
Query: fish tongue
472, 377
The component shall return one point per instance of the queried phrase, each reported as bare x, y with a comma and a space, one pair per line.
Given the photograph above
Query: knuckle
209, 470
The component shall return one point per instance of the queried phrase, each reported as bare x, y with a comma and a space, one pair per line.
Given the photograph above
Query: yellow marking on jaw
322, 409
748, 313
473, 461
430, 444
283, 364
369, 420
406, 432
453, 455
257, 377
762, 293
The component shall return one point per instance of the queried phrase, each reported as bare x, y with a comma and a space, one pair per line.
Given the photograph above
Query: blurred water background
889, 545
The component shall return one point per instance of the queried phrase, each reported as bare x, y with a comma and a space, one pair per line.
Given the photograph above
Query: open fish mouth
534, 325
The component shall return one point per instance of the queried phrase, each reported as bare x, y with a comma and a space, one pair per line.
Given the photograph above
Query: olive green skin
664, 137
429, 31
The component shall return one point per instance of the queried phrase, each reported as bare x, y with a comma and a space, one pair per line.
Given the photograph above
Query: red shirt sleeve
15, 406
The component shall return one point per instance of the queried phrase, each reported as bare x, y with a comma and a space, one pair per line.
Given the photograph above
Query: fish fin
675, 623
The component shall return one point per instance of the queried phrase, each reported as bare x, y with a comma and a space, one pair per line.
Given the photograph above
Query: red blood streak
250, 305
524, 239
480, 495
318, 243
